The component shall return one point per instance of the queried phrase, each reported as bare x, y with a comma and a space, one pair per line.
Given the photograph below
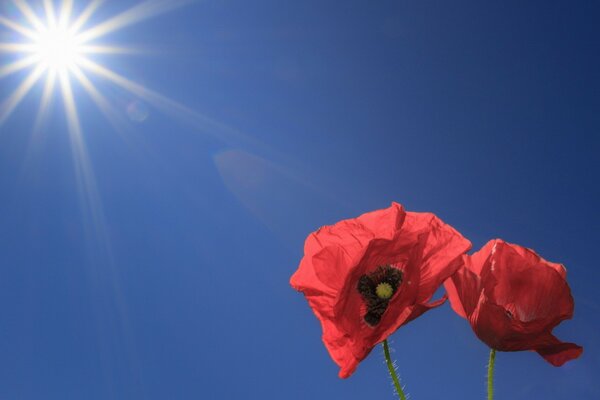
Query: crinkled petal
442, 251
345, 242
532, 258
464, 289
527, 286
557, 353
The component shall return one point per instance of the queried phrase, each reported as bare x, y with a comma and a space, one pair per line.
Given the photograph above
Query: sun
58, 41
54, 45
52, 40
57, 49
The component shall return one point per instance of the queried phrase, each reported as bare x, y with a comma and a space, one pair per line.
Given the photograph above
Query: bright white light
57, 49
56, 42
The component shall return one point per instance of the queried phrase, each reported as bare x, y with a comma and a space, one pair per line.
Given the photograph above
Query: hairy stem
491, 374
390, 365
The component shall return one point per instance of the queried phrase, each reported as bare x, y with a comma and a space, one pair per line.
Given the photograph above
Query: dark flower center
377, 289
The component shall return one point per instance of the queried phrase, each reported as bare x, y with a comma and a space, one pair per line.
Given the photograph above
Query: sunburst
60, 48
57, 45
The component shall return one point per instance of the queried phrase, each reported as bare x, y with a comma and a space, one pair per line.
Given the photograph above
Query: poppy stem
390, 365
491, 374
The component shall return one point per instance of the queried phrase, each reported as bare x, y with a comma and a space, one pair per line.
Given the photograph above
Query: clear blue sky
166, 275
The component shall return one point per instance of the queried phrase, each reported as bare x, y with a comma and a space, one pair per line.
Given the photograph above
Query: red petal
345, 242
532, 258
443, 248
521, 279
557, 353
464, 289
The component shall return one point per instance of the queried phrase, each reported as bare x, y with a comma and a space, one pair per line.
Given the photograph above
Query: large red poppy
513, 299
366, 277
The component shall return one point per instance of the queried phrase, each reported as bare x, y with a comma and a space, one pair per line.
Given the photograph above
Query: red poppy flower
513, 299
366, 277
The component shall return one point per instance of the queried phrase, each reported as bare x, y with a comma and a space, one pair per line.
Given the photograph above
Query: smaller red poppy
366, 277
513, 299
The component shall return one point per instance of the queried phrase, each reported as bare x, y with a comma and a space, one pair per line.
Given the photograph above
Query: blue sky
156, 264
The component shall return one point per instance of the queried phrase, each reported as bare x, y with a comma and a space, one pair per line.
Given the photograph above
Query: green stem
491, 374
390, 365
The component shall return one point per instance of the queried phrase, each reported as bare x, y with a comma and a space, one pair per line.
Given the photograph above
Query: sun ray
8, 106
103, 104
35, 139
86, 180
18, 65
29, 14
45, 102
91, 202
74, 126
85, 15
18, 28
16, 48
144, 93
209, 126
50, 13
131, 86
65, 13
131, 16
102, 49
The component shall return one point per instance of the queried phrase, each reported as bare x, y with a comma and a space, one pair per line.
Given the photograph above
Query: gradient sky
161, 271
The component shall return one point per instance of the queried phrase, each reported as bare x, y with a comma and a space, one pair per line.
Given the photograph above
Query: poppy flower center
377, 289
384, 290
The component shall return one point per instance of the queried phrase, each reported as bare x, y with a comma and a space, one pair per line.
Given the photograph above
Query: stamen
377, 289
384, 290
